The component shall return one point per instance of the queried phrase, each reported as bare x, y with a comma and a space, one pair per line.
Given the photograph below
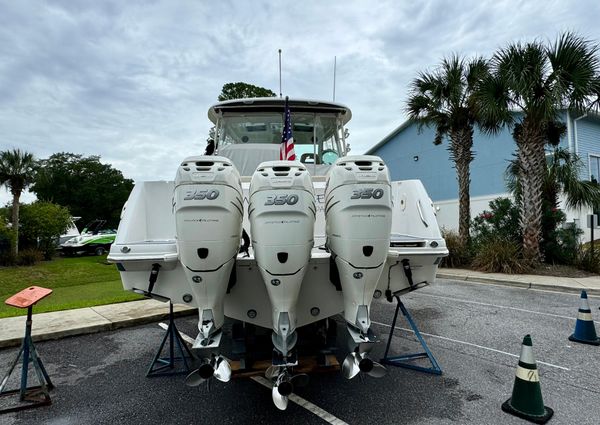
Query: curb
518, 284
85, 330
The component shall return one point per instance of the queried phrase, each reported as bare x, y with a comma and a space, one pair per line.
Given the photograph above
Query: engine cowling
282, 216
208, 207
358, 214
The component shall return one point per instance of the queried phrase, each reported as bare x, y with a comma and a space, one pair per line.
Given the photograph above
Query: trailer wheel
99, 251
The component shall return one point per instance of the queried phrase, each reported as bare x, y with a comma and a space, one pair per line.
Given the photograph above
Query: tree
87, 187
17, 170
243, 91
537, 81
232, 91
562, 172
42, 223
444, 99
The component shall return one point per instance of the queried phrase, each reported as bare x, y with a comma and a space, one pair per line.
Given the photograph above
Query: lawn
77, 282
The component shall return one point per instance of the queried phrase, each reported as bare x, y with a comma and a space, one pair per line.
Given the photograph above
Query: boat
95, 239
280, 245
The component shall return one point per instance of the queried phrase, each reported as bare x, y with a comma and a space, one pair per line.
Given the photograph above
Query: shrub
588, 261
459, 254
7, 258
562, 246
29, 257
501, 221
500, 255
42, 223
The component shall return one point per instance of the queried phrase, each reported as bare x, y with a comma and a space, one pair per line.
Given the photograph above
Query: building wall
586, 138
411, 154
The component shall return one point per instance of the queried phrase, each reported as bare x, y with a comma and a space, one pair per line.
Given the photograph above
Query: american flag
286, 150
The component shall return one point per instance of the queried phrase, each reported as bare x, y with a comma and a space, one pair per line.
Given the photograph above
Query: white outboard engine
358, 213
282, 216
208, 206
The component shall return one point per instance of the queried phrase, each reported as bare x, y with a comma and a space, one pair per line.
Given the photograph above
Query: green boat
94, 239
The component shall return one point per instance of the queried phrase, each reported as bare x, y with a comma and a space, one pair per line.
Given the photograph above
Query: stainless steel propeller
284, 385
357, 362
216, 367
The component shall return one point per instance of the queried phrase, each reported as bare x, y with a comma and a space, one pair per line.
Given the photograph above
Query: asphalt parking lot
474, 331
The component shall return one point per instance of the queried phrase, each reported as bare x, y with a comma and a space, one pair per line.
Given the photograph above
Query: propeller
284, 385
215, 367
357, 362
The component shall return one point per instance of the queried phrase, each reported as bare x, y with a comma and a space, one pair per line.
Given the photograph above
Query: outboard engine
208, 206
358, 214
282, 215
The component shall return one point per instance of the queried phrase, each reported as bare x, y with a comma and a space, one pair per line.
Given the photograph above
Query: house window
595, 168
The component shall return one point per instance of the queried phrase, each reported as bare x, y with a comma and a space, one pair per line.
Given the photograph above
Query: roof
276, 104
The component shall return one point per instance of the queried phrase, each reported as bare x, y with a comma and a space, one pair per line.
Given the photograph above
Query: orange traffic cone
526, 401
585, 332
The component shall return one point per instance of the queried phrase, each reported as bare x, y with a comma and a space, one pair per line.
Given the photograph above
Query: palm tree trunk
532, 160
15, 222
461, 144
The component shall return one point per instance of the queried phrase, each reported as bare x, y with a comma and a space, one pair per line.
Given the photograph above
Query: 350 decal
367, 193
199, 195
281, 200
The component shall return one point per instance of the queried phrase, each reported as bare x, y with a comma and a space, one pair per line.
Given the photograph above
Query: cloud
132, 81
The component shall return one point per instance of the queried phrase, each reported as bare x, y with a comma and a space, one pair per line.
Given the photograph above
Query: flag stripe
286, 150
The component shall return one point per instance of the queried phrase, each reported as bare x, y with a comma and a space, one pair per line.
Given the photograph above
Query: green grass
77, 282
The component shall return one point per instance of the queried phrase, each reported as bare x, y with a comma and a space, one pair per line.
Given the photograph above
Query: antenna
334, 69
280, 95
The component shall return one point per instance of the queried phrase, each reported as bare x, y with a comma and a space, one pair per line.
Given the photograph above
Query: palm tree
562, 176
17, 169
537, 81
444, 99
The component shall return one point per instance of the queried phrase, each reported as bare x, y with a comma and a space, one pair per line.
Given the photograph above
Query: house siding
492, 155
587, 141
435, 168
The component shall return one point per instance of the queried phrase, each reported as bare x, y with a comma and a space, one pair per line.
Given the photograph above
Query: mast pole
280, 95
334, 70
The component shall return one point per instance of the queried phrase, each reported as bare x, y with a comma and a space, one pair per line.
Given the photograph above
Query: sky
132, 81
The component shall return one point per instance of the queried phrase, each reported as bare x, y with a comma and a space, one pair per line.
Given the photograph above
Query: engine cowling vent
280, 174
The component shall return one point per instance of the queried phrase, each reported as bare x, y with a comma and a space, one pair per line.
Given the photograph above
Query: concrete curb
106, 325
518, 283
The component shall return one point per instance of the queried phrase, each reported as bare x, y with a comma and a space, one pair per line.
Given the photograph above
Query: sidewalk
80, 321
530, 281
59, 324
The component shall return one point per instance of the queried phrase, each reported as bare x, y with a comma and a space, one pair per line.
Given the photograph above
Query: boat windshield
249, 139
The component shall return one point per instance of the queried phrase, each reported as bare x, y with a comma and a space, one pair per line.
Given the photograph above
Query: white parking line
311, 407
497, 306
468, 343
326, 416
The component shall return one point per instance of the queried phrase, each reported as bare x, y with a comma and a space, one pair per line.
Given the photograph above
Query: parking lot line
498, 306
311, 407
326, 416
470, 344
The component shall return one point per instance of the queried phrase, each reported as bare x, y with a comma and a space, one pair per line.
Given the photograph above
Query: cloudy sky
132, 81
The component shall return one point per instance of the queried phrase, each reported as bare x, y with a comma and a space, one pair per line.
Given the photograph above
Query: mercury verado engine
208, 206
282, 216
358, 213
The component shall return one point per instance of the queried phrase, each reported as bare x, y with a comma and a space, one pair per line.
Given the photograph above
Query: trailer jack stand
166, 366
405, 360
29, 397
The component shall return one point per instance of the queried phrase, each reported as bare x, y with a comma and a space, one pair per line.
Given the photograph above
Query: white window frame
590, 156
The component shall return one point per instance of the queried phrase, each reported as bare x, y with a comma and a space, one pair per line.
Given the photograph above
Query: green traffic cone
526, 401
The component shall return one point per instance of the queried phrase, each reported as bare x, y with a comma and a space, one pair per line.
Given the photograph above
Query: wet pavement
474, 331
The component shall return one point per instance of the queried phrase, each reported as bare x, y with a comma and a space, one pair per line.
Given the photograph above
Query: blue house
411, 154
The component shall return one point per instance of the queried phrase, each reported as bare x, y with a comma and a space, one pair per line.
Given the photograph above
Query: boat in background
327, 234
